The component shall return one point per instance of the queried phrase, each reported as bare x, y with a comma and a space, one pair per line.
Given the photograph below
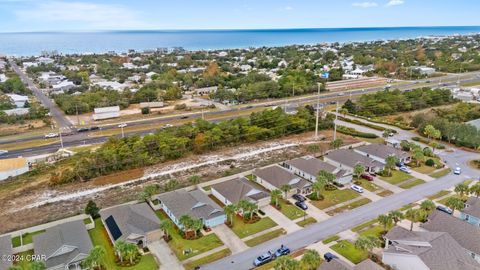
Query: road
152, 124
57, 114
344, 221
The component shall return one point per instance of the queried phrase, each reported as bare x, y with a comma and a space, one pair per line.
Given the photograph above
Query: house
63, 86
380, 152
5, 250
309, 167
424, 70
3, 78
153, 104
11, 167
106, 112
133, 223
195, 204
19, 100
274, 177
347, 159
233, 191
471, 212
206, 90
338, 264
64, 246
17, 111
111, 85
467, 235
406, 250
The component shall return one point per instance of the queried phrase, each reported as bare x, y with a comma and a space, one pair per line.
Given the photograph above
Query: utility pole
335, 123
76, 109
203, 116
293, 90
61, 139
318, 112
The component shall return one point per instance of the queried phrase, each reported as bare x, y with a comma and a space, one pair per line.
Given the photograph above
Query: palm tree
197, 225
252, 209
318, 186
418, 156
120, 249
336, 143
358, 170
427, 206
37, 265
367, 243
285, 188
131, 251
286, 263
461, 189
390, 162
455, 204
275, 196
230, 211
311, 260
242, 205
166, 226
475, 189
186, 222
396, 216
329, 177
95, 257
413, 215
385, 220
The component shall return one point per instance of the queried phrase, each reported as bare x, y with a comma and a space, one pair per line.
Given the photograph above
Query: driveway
281, 219
316, 213
230, 239
164, 254
379, 182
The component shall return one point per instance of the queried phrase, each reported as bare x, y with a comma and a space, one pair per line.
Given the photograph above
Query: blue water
25, 44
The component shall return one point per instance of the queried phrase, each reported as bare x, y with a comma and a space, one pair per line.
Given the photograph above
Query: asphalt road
344, 221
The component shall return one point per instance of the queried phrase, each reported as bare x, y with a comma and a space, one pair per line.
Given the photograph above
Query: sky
96, 15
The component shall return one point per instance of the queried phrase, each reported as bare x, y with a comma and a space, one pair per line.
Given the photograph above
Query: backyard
27, 238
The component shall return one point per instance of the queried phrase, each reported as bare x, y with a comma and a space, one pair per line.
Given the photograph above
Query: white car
3, 152
356, 188
122, 125
457, 171
51, 135
341, 94
405, 169
167, 126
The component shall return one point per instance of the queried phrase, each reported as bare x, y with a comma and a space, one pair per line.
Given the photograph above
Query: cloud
288, 8
365, 4
99, 16
395, 2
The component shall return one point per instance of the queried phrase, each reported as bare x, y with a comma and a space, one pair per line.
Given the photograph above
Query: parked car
405, 169
94, 128
83, 129
356, 188
445, 209
299, 197
3, 152
51, 135
122, 125
400, 164
367, 177
167, 126
184, 117
282, 251
329, 256
302, 205
263, 259
457, 171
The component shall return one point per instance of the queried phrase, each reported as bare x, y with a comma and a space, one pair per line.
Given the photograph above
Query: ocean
27, 44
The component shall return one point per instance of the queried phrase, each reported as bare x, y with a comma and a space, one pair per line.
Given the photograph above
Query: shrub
330, 187
355, 133
314, 197
181, 106
430, 162
145, 110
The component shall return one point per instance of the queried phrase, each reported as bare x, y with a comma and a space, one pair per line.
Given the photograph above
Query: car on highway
84, 129
299, 198
405, 169
184, 117
444, 209
356, 188
341, 94
122, 125
282, 251
457, 171
51, 135
263, 259
367, 177
3, 152
167, 126
301, 205
329, 256
94, 128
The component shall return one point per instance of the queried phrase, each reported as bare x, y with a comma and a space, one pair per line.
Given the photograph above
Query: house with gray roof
5, 249
274, 177
466, 234
471, 212
63, 246
380, 152
338, 264
309, 167
133, 223
347, 159
233, 191
406, 250
195, 204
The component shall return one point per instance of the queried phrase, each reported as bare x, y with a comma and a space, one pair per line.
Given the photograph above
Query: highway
344, 221
153, 124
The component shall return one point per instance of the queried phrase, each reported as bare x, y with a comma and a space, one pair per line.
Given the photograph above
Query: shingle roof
193, 203
466, 234
278, 176
240, 188
382, 150
132, 219
335, 264
5, 249
311, 166
71, 234
438, 250
368, 265
472, 207
351, 158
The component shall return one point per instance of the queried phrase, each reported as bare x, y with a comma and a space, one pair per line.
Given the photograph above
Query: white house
380, 152
19, 100
310, 167
106, 113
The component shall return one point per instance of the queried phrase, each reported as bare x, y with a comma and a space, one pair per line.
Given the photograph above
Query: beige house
233, 191
310, 167
274, 177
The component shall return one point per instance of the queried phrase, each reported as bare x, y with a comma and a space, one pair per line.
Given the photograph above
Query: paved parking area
164, 254
280, 219
230, 239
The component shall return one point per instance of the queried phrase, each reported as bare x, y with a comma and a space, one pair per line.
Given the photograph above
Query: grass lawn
412, 183
364, 225
290, 210
441, 173
349, 206
243, 230
439, 194
348, 250
397, 177
265, 237
99, 237
424, 169
87, 221
444, 200
385, 193
407, 206
208, 259
24, 263
375, 231
369, 185
334, 197
467, 182
27, 238
331, 239
307, 221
